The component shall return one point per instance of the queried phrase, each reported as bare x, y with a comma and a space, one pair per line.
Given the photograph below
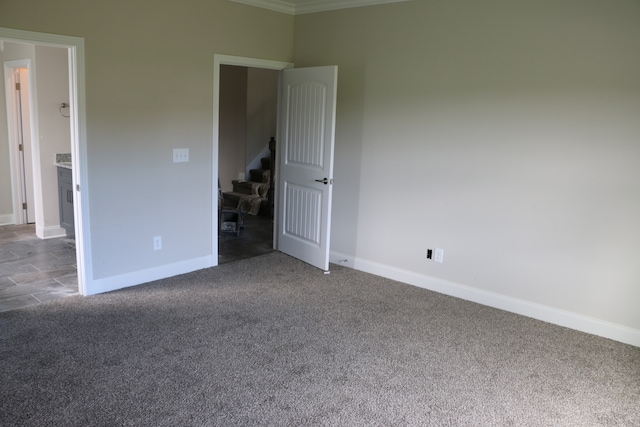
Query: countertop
66, 165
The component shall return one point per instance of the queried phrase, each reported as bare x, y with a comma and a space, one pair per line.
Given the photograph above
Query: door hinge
24, 206
17, 86
20, 147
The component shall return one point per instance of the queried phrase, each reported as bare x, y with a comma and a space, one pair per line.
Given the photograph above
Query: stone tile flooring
33, 270
256, 238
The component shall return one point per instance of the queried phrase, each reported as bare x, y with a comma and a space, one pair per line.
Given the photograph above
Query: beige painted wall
262, 109
248, 118
233, 124
149, 89
6, 203
52, 82
504, 132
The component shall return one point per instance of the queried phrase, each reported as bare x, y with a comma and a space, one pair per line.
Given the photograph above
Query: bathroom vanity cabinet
65, 199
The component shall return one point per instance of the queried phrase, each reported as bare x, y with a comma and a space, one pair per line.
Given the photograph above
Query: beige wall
248, 118
233, 124
504, 132
262, 108
52, 82
6, 201
149, 89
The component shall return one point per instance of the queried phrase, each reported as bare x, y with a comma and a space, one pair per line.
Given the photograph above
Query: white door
307, 125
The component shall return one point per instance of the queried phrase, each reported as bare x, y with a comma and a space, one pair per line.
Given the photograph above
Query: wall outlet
157, 243
439, 255
180, 155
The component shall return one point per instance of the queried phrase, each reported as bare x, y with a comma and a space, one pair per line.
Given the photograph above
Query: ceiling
299, 7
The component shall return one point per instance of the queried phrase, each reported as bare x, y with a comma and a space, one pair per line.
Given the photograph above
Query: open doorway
40, 253
246, 161
55, 78
304, 176
245, 120
38, 131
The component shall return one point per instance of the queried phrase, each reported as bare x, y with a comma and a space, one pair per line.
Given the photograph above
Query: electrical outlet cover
180, 155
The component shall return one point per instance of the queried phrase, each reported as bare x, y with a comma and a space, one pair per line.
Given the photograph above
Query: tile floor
256, 238
33, 270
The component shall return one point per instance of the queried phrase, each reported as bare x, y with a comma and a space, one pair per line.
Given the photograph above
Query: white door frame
239, 61
77, 112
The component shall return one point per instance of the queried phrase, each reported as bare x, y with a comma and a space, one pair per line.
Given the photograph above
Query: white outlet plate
157, 243
180, 155
438, 255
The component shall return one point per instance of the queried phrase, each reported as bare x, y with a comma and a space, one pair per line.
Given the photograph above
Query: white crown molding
314, 6
275, 5
300, 7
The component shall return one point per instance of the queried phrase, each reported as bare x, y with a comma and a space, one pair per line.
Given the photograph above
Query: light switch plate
180, 155
439, 255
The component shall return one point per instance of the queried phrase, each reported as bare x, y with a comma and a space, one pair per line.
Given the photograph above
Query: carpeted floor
272, 341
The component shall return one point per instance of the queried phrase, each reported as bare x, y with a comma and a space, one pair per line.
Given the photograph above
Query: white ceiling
299, 7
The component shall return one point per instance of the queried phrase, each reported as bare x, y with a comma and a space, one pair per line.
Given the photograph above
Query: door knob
324, 181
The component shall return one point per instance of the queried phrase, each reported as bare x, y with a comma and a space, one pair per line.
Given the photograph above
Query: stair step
260, 175
242, 187
265, 163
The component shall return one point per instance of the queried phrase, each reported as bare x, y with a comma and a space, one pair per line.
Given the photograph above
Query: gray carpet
272, 341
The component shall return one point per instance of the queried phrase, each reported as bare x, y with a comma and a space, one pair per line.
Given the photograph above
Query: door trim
75, 48
239, 61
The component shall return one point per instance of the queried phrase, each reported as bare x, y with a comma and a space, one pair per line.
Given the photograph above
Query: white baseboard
567, 319
7, 219
113, 283
50, 232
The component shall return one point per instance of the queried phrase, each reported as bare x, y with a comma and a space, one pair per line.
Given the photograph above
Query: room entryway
35, 248
305, 119
248, 122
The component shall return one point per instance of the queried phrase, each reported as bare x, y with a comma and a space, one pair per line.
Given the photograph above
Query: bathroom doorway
68, 51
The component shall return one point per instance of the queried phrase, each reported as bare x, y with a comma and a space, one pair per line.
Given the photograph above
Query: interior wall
505, 133
52, 81
262, 112
248, 119
149, 89
6, 201
233, 124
